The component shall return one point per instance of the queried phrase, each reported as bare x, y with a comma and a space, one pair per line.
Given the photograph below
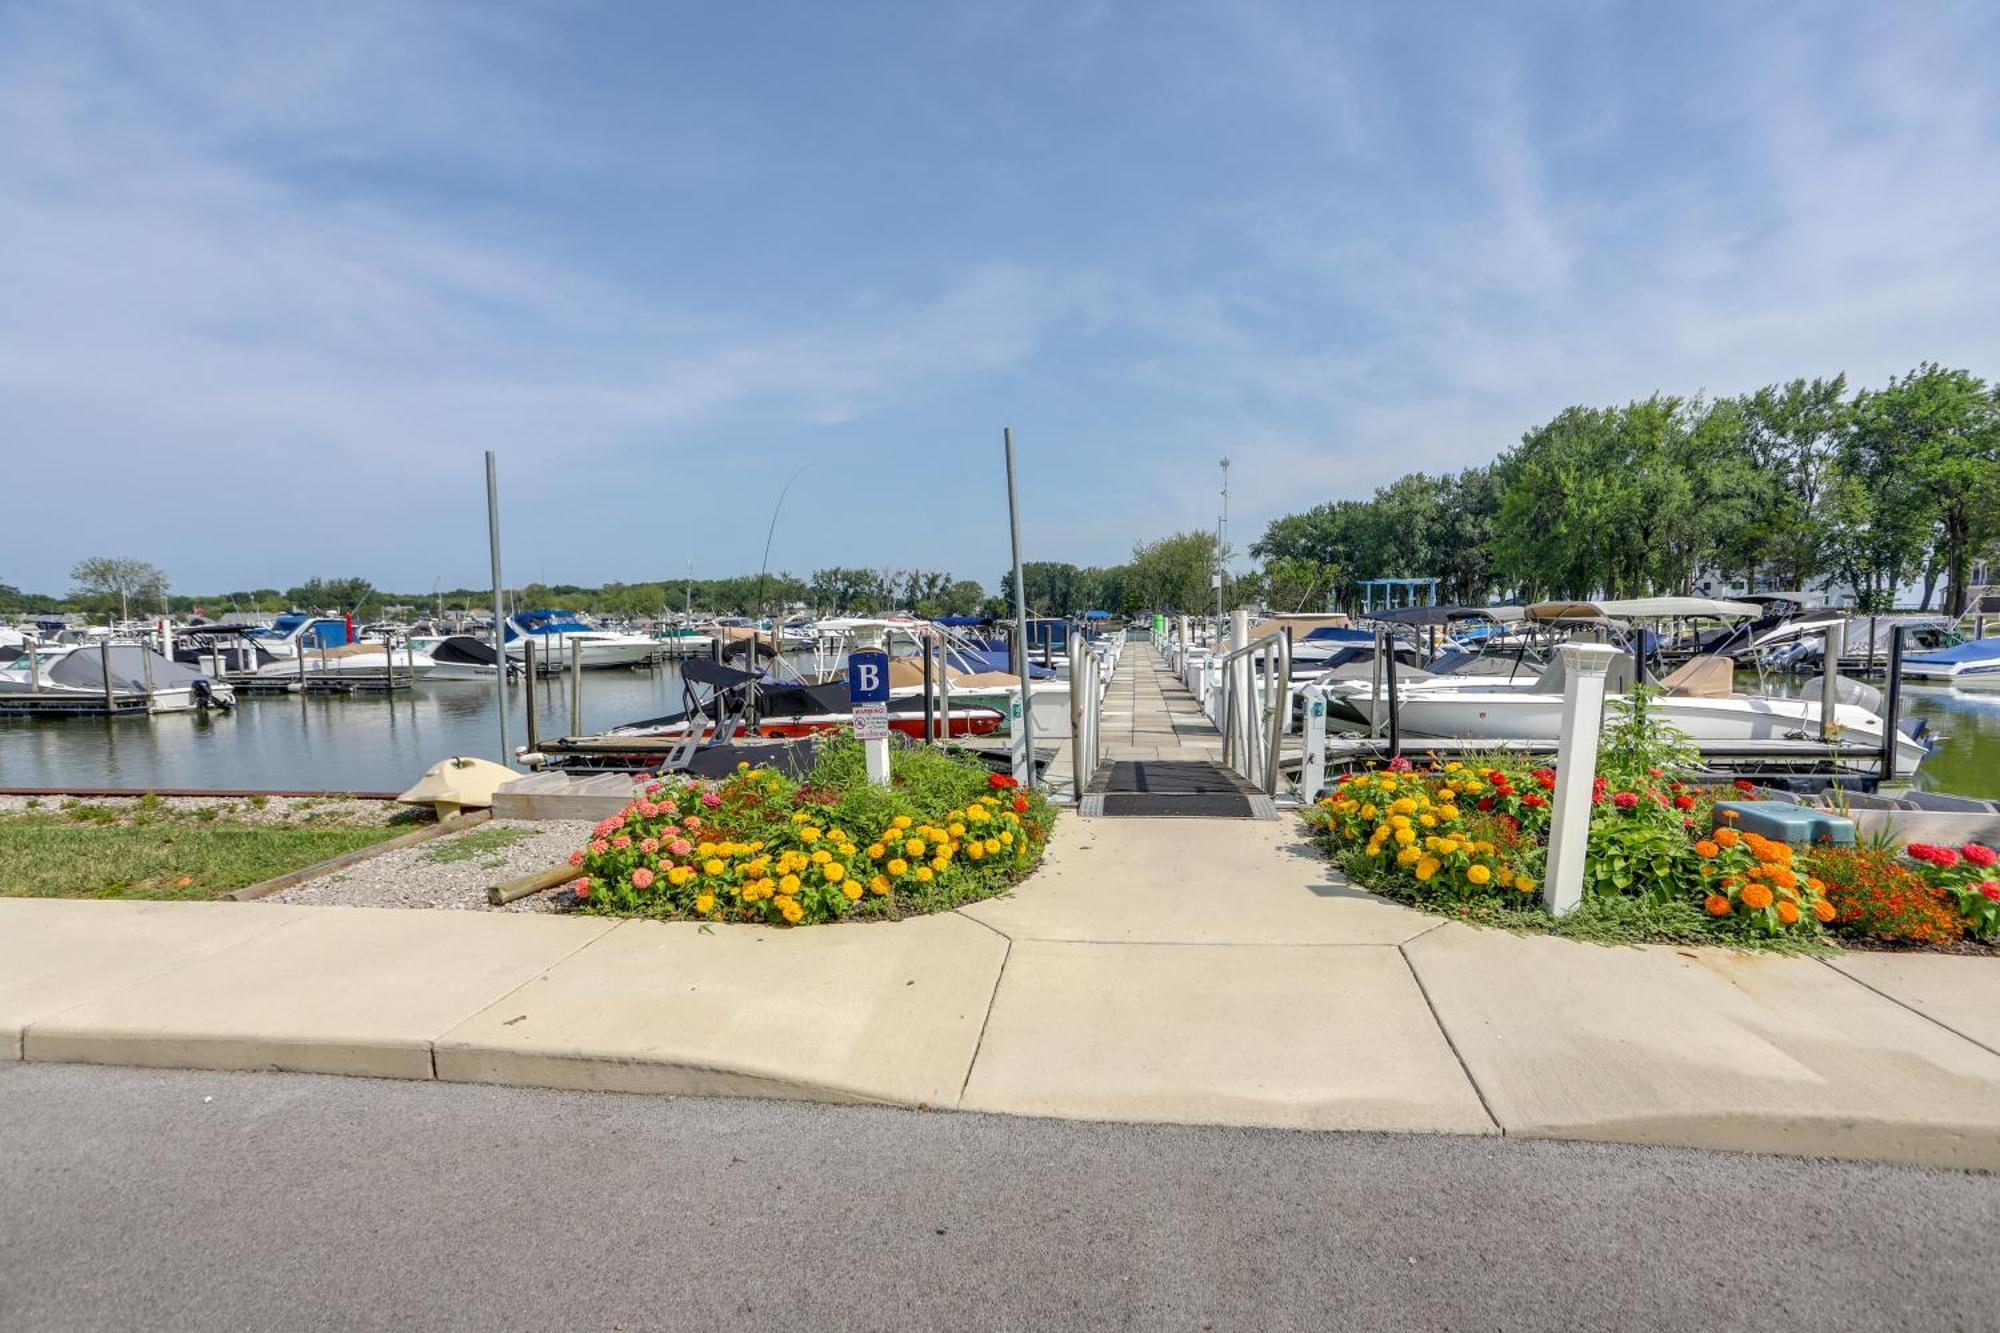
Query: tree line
1795, 486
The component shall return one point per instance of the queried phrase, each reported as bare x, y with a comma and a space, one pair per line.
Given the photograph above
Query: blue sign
868, 677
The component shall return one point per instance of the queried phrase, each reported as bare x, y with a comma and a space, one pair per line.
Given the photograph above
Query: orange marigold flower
1726, 836
1824, 910
1756, 897
1706, 848
1716, 904
1788, 912
1782, 877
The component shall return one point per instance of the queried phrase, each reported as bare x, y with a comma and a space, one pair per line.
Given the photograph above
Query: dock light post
1584, 665
499, 611
868, 696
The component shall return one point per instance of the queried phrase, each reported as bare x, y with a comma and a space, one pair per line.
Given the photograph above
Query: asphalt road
133, 1199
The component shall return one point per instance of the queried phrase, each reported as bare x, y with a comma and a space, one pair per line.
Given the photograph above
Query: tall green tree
102, 580
331, 594
1928, 446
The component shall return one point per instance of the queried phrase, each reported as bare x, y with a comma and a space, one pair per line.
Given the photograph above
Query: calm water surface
381, 743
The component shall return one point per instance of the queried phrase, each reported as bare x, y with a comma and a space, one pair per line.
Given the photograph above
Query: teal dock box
1781, 821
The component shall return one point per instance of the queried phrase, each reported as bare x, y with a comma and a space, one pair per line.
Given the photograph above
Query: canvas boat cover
1978, 650
464, 650
84, 669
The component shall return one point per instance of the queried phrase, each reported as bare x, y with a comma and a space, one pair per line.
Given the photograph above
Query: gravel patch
429, 875
315, 811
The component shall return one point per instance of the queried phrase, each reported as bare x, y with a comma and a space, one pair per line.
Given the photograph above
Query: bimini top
1645, 608
547, 621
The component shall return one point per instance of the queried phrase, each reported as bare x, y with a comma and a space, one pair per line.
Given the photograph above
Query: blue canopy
1978, 650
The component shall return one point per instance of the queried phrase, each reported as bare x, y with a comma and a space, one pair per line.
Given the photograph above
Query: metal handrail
1255, 698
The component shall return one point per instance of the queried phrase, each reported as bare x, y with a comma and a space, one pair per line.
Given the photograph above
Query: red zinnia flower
1000, 781
1684, 802
1978, 854
1534, 799
1745, 785
1625, 800
1020, 805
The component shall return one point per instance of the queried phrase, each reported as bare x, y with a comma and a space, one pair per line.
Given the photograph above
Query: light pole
1221, 538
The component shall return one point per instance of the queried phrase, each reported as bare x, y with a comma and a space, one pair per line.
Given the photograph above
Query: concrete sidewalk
1161, 970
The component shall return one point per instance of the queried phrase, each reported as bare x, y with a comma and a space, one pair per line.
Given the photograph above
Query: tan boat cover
1706, 677
905, 671
986, 680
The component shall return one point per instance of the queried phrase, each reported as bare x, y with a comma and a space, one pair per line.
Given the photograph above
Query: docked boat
353, 661
113, 677
740, 705
556, 634
462, 657
1973, 664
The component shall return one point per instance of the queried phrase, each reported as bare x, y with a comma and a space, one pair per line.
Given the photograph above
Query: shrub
1970, 876
1875, 896
759, 847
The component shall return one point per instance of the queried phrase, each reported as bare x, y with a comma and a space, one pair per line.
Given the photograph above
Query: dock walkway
1162, 755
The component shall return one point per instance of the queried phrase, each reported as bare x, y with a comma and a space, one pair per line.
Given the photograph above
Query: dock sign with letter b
868, 677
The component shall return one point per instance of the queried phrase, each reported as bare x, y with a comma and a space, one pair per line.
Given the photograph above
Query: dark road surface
143, 1200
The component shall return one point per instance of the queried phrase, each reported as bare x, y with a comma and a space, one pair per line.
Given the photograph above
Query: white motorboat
1976, 663
462, 657
78, 675
353, 661
553, 633
1699, 698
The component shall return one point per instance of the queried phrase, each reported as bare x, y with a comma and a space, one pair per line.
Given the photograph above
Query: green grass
81, 854
484, 842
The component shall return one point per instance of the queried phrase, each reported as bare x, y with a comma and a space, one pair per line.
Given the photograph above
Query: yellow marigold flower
976, 850
798, 816
1368, 810
1403, 805
704, 849
789, 884
898, 867
993, 846
1524, 884
852, 889
1406, 836
1399, 821
1478, 874
1427, 867
713, 866
1409, 856
876, 851
878, 886
1428, 821
924, 874
1454, 767
1447, 812
704, 903
940, 837
956, 830
792, 911
900, 821
821, 856
834, 872
940, 863
809, 834
915, 846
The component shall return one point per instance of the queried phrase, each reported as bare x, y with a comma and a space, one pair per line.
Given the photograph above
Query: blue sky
275, 274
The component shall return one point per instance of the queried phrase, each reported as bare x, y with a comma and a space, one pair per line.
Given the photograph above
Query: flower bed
1471, 840
759, 847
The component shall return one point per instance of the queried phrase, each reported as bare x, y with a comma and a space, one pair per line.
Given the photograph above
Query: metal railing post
1312, 765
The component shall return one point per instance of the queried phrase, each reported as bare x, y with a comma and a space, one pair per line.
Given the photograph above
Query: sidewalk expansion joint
960, 912
1445, 1032
1904, 1004
512, 991
991, 1000
1214, 944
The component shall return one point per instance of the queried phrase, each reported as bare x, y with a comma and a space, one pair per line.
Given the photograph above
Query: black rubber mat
1199, 805
1171, 778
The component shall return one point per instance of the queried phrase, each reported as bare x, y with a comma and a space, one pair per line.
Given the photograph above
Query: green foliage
331, 594
1639, 743
1172, 574
104, 582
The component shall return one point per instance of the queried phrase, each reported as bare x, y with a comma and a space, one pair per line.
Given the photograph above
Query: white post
1078, 729
1829, 682
1312, 769
1242, 688
868, 692
1584, 665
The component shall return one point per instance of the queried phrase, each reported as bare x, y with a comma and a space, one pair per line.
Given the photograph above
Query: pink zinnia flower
581, 888
680, 846
692, 821
1625, 800
599, 846
621, 841
710, 799
576, 857
642, 878
649, 846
